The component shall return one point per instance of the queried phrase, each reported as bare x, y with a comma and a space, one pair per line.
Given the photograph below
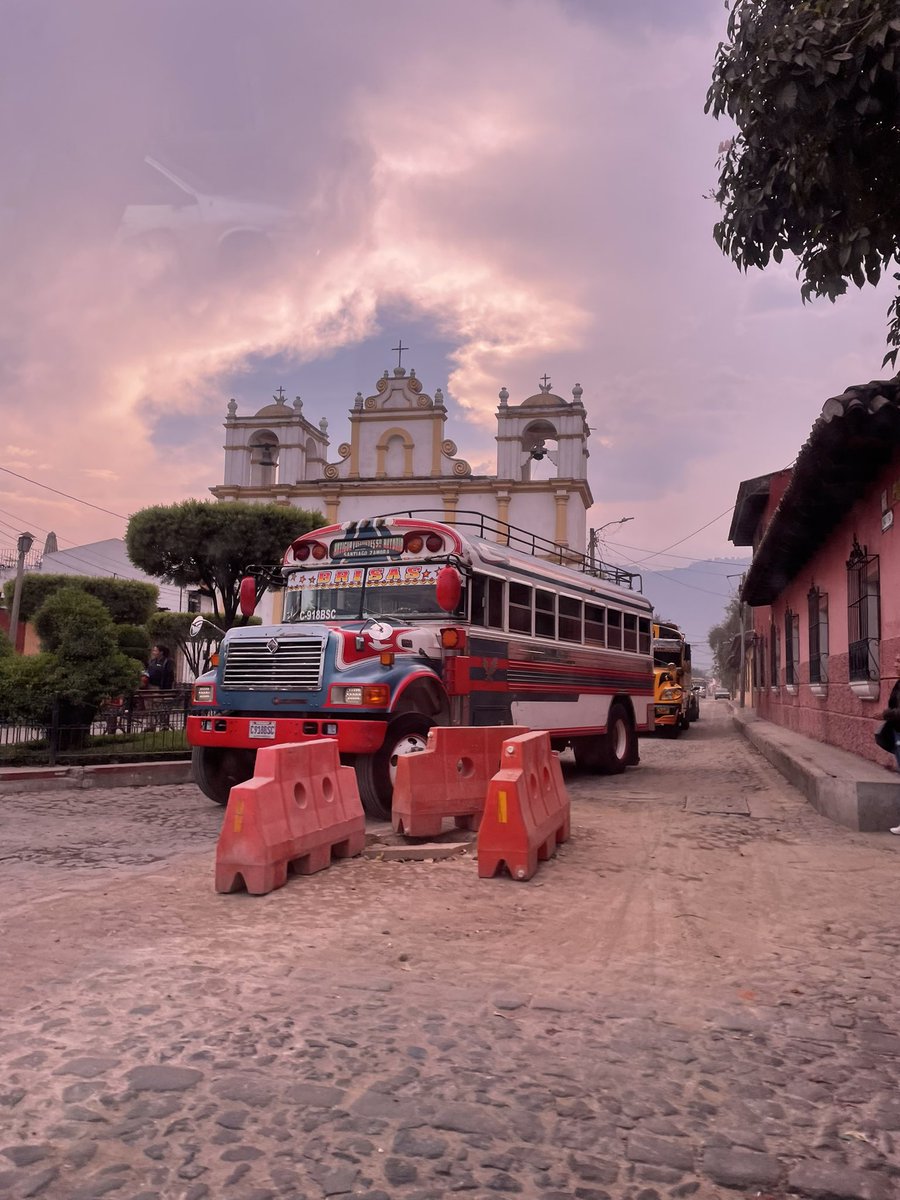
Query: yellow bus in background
676, 704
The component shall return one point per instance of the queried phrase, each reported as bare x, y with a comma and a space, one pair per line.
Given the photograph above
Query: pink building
824, 584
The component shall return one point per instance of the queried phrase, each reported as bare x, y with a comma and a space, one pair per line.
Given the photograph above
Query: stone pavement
696, 998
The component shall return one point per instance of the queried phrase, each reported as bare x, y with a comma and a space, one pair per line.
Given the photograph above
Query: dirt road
698, 995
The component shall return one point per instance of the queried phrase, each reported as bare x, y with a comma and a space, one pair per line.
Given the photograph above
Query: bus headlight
670, 694
372, 695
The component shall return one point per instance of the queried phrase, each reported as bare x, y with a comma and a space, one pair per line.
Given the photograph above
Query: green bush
134, 641
128, 601
80, 666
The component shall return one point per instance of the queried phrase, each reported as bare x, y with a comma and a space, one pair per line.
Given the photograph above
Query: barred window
863, 613
774, 657
818, 635
791, 647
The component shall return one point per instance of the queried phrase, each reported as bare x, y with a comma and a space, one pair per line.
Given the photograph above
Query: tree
79, 667
721, 642
128, 601
201, 542
173, 629
813, 87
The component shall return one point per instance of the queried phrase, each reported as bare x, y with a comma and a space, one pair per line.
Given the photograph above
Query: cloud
524, 177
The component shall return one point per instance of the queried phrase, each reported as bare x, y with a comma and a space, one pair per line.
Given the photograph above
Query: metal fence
141, 727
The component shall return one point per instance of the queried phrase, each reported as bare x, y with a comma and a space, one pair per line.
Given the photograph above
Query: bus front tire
375, 773
217, 769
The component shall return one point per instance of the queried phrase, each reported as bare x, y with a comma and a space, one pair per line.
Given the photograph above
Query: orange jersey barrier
526, 814
300, 808
449, 779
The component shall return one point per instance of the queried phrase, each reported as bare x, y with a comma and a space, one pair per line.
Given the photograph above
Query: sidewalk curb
849, 790
106, 775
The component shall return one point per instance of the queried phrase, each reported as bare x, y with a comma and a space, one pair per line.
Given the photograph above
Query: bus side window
630, 641
519, 608
594, 625
487, 601
569, 619
614, 629
644, 638
544, 613
494, 614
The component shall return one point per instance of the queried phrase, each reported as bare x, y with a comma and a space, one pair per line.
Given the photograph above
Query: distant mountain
695, 597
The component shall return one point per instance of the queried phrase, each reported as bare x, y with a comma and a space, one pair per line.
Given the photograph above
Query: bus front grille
276, 664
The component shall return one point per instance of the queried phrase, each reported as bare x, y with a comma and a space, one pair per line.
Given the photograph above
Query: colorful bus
392, 625
677, 704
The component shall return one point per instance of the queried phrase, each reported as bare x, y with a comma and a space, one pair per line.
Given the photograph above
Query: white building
398, 457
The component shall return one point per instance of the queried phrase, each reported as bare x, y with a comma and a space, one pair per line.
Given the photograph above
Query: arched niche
394, 455
264, 453
539, 455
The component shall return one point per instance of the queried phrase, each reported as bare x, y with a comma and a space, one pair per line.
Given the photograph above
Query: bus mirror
248, 596
196, 626
448, 588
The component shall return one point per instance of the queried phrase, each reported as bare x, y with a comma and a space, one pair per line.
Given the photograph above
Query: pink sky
520, 183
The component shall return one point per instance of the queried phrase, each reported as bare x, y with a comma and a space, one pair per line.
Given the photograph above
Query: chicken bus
401, 622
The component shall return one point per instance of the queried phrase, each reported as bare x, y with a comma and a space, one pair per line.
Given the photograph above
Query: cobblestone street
698, 996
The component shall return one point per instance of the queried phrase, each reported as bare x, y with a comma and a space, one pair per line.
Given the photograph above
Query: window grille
863, 613
791, 647
818, 635
774, 658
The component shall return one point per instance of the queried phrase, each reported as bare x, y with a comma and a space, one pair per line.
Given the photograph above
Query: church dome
275, 410
542, 399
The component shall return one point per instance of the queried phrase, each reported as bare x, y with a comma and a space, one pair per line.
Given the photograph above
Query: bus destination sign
366, 547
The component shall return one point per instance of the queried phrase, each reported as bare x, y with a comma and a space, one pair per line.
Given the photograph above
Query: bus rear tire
616, 750
217, 769
375, 773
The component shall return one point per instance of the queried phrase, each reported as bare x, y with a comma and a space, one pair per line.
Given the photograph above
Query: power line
57, 492
687, 536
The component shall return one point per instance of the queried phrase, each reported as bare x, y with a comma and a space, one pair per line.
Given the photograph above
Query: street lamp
595, 536
23, 545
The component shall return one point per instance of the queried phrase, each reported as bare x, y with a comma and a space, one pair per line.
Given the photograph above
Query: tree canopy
128, 601
721, 641
211, 545
813, 87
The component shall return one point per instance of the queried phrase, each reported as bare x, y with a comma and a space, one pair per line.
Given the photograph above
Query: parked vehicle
722, 694
399, 623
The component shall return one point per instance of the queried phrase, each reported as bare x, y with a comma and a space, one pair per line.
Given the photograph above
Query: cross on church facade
279, 396
545, 382
399, 348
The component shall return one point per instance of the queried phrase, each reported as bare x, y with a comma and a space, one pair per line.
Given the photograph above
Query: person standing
160, 669
892, 715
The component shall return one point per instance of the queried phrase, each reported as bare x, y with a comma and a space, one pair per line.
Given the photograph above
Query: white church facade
398, 458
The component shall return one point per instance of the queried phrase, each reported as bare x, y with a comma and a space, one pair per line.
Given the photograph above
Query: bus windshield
351, 593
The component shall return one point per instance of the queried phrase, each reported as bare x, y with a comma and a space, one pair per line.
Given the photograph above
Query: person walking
892, 715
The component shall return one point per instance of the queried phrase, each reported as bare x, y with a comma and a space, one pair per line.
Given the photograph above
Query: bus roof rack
492, 529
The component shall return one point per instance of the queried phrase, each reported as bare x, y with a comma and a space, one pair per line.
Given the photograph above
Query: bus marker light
453, 638
387, 658
376, 695
414, 543
214, 660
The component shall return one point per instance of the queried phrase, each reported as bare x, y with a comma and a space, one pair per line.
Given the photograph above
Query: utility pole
24, 544
594, 537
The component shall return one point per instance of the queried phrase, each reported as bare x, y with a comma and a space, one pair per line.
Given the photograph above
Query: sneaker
896, 829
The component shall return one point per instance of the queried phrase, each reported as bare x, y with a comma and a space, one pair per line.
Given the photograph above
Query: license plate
262, 729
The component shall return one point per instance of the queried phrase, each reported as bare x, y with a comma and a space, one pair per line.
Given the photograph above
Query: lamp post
23, 545
594, 537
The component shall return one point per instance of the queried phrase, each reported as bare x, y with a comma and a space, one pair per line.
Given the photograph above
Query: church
398, 458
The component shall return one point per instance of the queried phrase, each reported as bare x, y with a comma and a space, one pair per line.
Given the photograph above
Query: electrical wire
57, 492
687, 536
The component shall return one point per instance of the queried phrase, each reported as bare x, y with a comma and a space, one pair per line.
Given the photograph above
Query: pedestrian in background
892, 715
160, 669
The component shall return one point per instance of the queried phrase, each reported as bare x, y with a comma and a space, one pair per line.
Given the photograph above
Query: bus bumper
666, 714
250, 733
